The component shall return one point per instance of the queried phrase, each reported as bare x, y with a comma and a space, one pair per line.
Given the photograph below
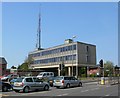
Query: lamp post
72, 53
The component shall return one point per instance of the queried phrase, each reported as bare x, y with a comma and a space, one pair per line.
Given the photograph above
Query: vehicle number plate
57, 80
17, 84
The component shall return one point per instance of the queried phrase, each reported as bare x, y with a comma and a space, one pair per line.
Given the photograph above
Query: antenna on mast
38, 45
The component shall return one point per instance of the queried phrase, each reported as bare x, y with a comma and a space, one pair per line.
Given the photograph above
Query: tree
29, 60
23, 66
108, 68
13, 67
26, 64
83, 71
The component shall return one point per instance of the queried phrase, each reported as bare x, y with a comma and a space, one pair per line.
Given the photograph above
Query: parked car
12, 81
9, 77
66, 82
51, 80
3, 76
45, 74
5, 86
27, 84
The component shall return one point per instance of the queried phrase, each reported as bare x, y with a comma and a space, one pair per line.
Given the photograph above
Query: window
63, 49
51, 74
47, 74
37, 80
29, 80
44, 74
87, 58
87, 48
74, 57
66, 78
74, 47
72, 78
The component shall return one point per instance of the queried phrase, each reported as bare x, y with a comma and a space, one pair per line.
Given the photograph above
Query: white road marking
94, 89
71, 88
108, 86
107, 95
62, 94
84, 91
59, 95
91, 83
35, 93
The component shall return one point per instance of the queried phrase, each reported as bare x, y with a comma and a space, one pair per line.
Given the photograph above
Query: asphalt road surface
88, 89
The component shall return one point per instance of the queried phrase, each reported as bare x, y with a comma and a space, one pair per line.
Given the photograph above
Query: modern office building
74, 55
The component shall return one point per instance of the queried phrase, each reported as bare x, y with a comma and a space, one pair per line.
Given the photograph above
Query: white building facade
73, 55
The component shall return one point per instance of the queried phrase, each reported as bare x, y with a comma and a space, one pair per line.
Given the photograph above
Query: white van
45, 74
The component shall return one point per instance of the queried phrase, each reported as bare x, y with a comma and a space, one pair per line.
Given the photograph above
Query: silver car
66, 82
29, 83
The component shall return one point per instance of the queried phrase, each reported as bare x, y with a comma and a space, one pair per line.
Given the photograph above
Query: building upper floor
82, 53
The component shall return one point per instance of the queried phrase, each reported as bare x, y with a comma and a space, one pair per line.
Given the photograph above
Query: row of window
56, 59
54, 51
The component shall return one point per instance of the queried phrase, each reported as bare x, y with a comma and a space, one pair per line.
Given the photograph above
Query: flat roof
58, 46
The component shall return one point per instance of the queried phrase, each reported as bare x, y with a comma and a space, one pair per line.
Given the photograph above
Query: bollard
102, 80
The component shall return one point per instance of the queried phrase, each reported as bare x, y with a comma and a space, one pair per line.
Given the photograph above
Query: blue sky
94, 23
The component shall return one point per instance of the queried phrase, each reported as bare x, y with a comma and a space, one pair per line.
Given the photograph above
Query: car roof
28, 77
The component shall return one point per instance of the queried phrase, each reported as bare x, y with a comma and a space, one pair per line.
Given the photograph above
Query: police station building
73, 55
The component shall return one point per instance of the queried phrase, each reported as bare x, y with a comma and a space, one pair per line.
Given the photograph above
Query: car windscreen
8, 76
19, 80
41, 74
58, 78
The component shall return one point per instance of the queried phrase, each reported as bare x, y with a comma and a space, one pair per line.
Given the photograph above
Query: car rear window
19, 79
29, 80
66, 78
58, 78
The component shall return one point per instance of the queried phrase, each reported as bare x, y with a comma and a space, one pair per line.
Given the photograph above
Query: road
88, 89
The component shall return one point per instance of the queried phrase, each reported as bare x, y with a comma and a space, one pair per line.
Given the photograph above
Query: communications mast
38, 44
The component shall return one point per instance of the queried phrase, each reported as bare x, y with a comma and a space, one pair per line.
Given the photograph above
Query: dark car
51, 80
5, 86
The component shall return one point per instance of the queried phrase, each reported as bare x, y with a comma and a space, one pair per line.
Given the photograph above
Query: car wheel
68, 86
4, 89
80, 84
46, 88
26, 89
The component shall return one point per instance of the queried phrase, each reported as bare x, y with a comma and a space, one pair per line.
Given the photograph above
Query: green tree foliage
108, 68
23, 66
13, 67
26, 64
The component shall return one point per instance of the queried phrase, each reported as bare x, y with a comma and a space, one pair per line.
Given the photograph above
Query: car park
5, 86
66, 82
27, 84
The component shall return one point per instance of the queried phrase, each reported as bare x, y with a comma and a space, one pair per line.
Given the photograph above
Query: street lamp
72, 53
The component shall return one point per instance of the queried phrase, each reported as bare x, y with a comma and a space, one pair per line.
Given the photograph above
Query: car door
75, 81
29, 82
72, 81
39, 83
